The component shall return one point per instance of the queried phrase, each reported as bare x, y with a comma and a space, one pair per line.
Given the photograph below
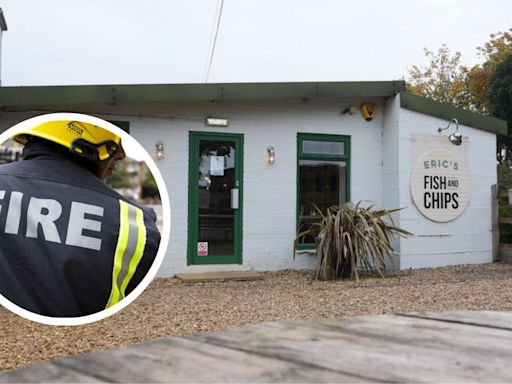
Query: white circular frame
69, 321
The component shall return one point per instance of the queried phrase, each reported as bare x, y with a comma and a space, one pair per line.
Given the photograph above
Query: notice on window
202, 248
216, 165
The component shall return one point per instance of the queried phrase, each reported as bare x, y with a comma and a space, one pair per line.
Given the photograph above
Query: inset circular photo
84, 219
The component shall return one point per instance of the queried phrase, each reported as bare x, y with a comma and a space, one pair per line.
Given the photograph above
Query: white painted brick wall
269, 190
383, 152
467, 239
390, 168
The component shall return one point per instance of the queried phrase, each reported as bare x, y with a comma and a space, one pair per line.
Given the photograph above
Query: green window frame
124, 125
343, 156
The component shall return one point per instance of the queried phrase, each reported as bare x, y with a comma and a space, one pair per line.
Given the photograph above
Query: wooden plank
506, 254
46, 373
380, 348
218, 276
389, 348
182, 360
493, 319
505, 220
505, 247
495, 227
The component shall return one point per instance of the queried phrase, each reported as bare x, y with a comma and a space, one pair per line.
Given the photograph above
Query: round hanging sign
440, 186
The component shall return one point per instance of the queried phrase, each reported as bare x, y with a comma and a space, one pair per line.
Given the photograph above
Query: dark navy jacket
45, 269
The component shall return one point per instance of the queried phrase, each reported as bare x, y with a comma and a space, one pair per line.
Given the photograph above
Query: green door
215, 198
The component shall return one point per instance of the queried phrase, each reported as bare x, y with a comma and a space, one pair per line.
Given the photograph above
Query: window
323, 173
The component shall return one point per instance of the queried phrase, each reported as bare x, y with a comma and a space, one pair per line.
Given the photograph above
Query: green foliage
443, 79
504, 177
352, 236
500, 90
120, 179
493, 52
506, 211
149, 187
500, 104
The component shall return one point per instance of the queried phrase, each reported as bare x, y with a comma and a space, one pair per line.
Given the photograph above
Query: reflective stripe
129, 250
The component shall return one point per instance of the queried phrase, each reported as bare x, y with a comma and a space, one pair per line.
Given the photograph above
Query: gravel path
170, 308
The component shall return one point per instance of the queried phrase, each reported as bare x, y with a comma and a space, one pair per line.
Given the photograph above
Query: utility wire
220, 7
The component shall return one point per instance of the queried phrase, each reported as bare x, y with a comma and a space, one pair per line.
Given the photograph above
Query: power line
220, 7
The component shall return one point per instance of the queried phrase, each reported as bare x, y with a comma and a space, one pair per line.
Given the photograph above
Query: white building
233, 210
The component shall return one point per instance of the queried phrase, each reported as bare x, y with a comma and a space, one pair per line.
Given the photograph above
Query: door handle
234, 198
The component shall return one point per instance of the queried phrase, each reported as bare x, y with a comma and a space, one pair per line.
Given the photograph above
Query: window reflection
322, 184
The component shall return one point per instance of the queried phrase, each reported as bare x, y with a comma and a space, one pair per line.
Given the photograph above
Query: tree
500, 104
149, 186
444, 78
493, 52
121, 177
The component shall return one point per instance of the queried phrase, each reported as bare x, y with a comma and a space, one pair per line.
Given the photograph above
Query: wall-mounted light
216, 122
159, 150
368, 110
351, 110
271, 158
456, 137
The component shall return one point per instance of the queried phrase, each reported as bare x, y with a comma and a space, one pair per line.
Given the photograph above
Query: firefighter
69, 244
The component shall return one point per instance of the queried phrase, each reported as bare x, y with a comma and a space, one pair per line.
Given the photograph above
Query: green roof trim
124, 125
448, 111
89, 94
40, 96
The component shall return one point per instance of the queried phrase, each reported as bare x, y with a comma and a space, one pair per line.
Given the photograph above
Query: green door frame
193, 198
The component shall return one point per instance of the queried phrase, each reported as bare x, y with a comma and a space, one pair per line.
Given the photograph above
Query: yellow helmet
84, 139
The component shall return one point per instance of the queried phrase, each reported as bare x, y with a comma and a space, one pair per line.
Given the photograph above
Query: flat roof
448, 111
78, 94
27, 96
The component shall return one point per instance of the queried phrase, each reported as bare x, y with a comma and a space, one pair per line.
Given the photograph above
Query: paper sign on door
216, 165
202, 248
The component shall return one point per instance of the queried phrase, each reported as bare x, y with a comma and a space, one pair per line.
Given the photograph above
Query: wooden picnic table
419, 347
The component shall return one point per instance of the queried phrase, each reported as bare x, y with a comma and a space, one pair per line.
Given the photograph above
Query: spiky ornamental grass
350, 237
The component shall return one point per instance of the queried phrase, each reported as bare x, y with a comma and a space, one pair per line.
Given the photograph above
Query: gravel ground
170, 308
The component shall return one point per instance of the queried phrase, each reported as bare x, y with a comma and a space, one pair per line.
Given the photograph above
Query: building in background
244, 163
129, 178
10, 151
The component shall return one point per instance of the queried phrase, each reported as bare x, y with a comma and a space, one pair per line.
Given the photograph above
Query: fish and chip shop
245, 162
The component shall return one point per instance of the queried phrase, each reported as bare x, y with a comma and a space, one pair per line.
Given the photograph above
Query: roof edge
83, 94
448, 111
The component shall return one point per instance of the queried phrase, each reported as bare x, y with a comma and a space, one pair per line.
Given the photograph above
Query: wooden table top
419, 347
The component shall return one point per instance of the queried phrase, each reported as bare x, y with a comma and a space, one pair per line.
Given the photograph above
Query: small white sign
216, 165
202, 248
440, 186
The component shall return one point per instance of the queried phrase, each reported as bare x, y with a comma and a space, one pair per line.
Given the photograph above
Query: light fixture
216, 122
159, 150
271, 155
456, 137
351, 110
368, 110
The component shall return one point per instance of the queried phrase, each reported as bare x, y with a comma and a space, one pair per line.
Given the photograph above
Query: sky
61, 42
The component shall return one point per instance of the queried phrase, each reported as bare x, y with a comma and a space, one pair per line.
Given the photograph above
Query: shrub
352, 236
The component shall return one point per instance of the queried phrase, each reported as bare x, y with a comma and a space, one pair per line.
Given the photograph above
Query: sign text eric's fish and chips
440, 185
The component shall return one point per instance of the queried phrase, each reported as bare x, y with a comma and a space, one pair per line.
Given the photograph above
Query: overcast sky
126, 42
